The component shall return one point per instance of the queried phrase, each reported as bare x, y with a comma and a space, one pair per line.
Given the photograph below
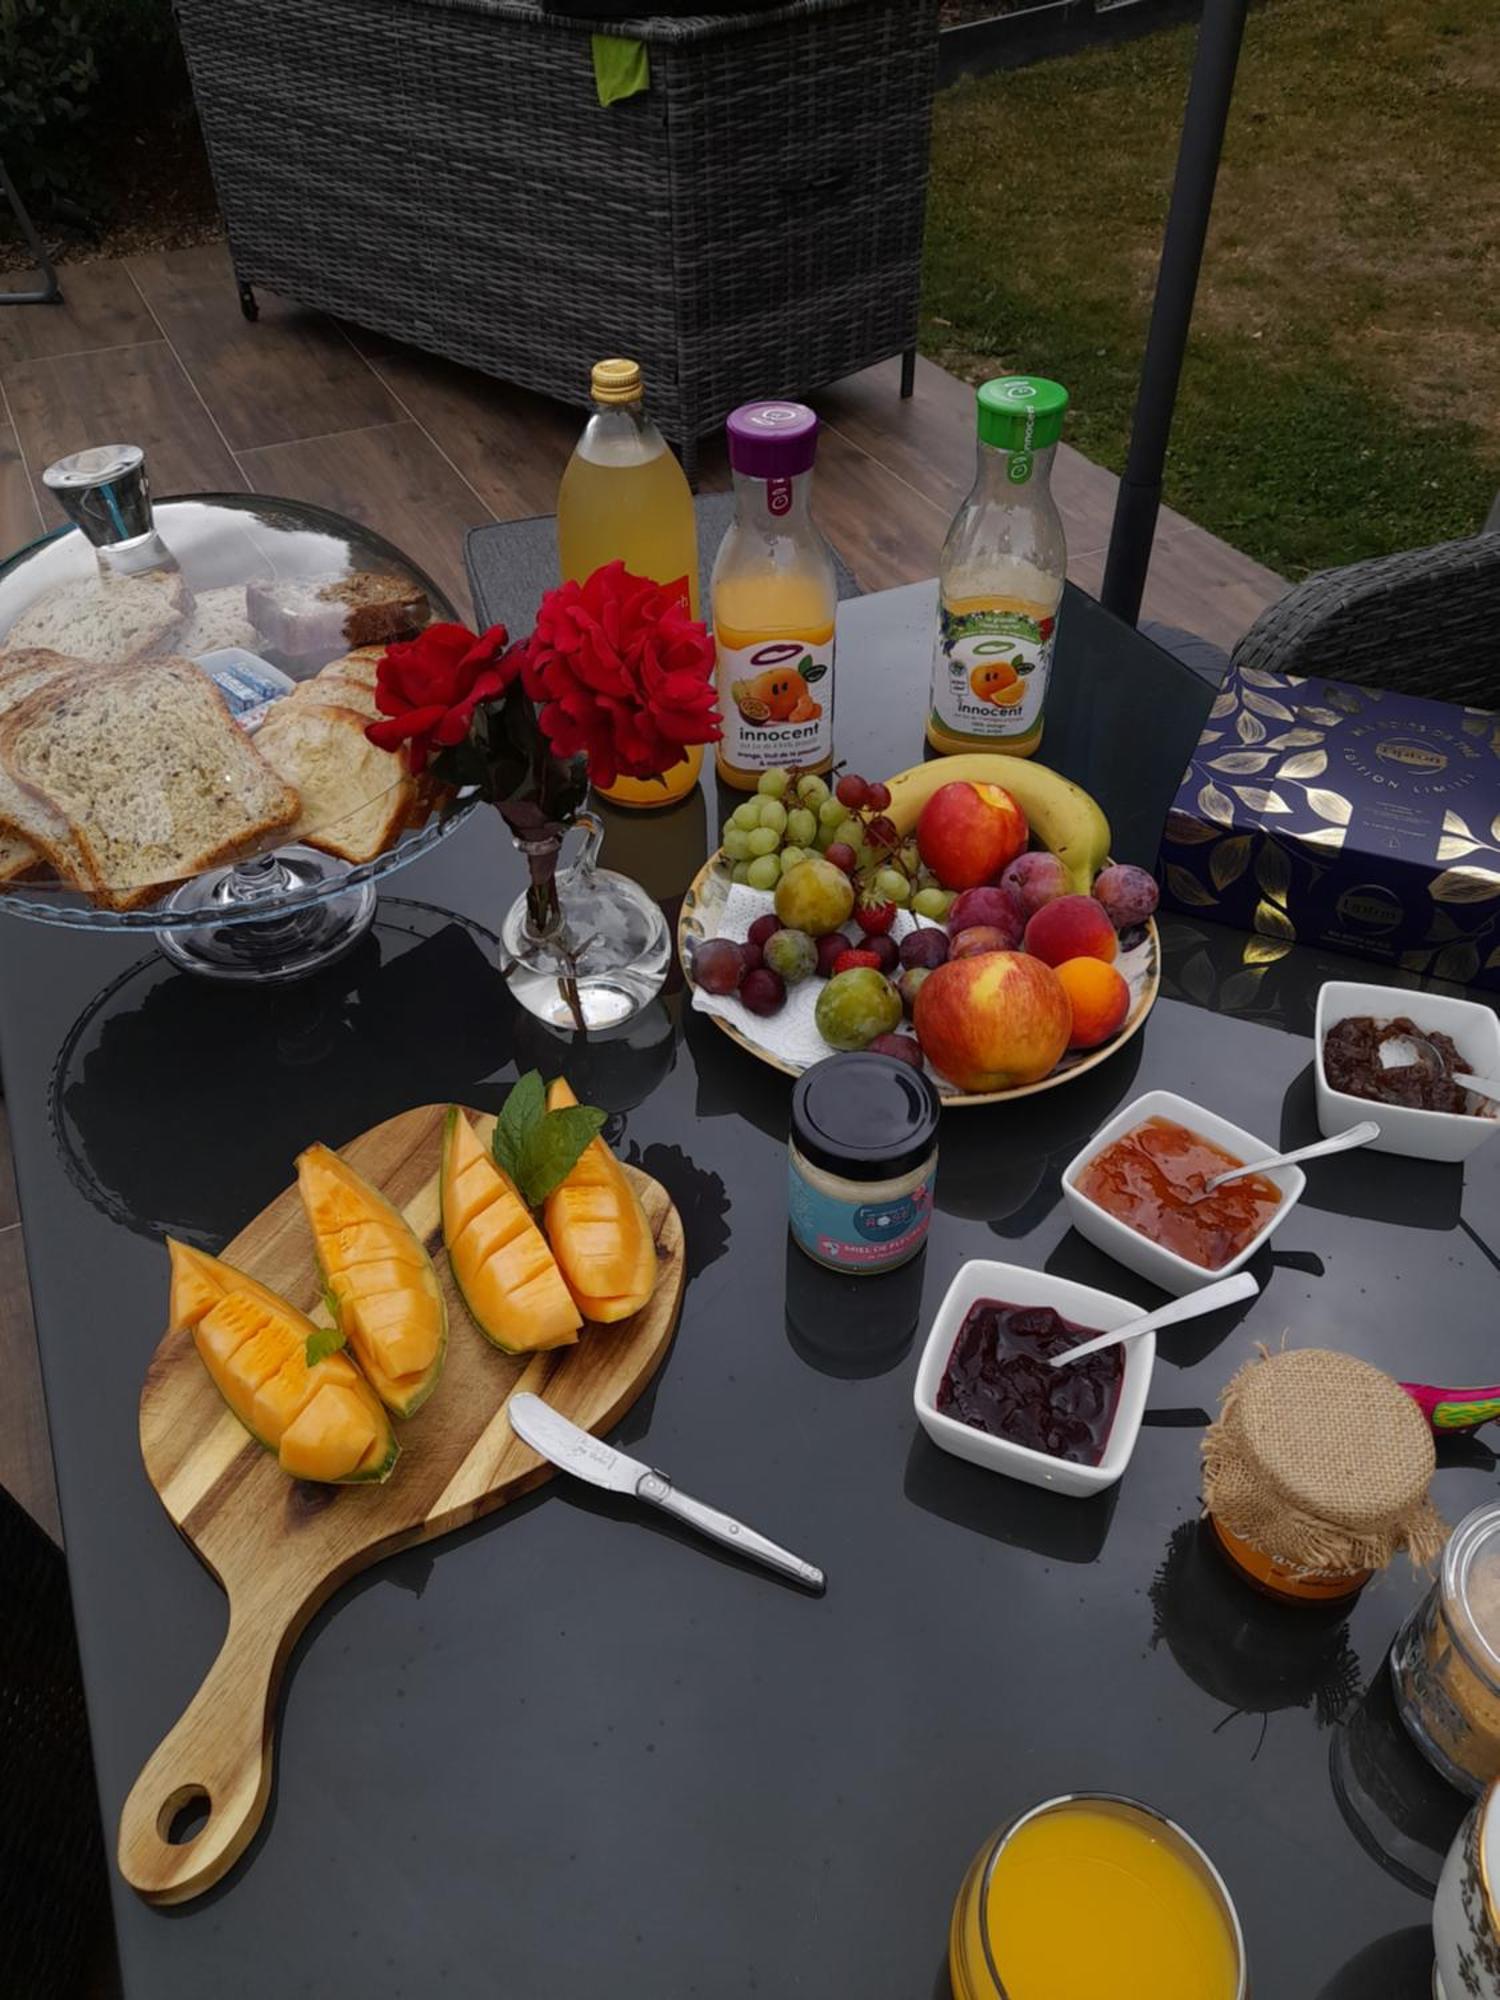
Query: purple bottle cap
772, 440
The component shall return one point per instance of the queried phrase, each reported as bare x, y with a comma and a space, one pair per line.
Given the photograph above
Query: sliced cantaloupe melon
333, 1430
598, 1230
396, 1321
500, 1261
254, 1346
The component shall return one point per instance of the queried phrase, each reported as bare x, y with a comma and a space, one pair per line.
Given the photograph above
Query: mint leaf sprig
537, 1148
323, 1341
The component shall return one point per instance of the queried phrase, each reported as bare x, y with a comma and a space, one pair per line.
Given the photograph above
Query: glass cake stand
262, 595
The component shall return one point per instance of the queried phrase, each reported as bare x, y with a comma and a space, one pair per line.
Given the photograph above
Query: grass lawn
1341, 394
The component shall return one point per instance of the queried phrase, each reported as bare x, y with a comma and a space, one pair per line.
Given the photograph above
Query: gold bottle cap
616, 382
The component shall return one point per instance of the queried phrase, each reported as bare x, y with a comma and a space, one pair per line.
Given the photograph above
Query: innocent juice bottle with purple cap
774, 598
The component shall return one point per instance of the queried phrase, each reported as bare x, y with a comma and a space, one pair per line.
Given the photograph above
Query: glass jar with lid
1445, 1660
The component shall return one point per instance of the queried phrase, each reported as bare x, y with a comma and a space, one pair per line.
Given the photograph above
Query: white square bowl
1420, 1135
981, 1279
1152, 1261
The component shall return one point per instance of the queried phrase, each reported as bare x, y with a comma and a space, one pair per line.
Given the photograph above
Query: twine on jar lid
1323, 1463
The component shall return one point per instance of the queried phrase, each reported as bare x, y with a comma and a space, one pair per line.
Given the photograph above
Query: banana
1061, 814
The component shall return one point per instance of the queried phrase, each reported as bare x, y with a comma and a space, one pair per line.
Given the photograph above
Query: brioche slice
355, 797
332, 693
31, 832
150, 772
109, 619
362, 665
218, 621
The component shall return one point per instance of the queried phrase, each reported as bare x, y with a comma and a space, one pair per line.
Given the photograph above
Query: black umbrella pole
1139, 497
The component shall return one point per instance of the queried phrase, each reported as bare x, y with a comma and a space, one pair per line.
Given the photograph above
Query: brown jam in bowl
1352, 1064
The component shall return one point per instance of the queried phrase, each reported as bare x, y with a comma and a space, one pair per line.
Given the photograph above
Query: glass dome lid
184, 694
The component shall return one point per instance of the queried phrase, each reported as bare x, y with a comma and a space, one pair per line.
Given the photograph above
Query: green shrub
47, 77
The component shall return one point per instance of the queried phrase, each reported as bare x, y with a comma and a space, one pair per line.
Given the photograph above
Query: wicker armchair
1426, 622
442, 171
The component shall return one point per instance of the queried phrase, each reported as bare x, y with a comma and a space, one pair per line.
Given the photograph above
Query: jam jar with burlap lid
1316, 1474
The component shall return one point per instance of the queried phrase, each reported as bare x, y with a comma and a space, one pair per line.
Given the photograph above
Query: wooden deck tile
20, 517
100, 308
130, 395
291, 374
25, 1446
393, 479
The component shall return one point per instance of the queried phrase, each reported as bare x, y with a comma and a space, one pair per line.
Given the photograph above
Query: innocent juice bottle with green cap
1000, 578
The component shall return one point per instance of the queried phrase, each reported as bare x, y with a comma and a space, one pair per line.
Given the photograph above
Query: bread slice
355, 797
362, 665
218, 620
150, 772
31, 832
312, 617
331, 692
106, 618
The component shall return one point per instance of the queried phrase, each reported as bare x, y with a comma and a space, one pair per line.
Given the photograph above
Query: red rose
622, 673
428, 688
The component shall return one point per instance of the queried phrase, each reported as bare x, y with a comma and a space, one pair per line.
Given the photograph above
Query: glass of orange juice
1090, 1896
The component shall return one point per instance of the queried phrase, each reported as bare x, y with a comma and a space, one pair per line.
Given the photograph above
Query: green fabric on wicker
1425, 622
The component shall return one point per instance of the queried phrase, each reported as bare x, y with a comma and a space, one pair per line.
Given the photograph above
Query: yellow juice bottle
774, 601
1000, 578
624, 498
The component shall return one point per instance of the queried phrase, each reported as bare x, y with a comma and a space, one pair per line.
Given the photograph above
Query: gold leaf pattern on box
1264, 705
1307, 764
1458, 962
1266, 950
1187, 889
1242, 763
1415, 961
1249, 728
1213, 805
1229, 860
1295, 739
1324, 836
1260, 800
1495, 829
1492, 963
1456, 823
1224, 704
1451, 848
1257, 677
1273, 871
1325, 716
1330, 805
1465, 885
1185, 831
1271, 922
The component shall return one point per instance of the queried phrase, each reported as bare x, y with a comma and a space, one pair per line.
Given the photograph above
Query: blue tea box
1349, 817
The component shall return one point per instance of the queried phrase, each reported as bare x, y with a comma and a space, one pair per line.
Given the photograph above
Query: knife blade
573, 1450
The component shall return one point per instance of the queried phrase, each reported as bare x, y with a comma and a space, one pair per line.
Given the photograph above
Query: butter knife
573, 1450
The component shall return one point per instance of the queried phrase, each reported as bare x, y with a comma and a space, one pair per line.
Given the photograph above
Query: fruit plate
703, 916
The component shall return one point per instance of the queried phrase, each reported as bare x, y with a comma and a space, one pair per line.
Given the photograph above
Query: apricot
1071, 927
1099, 998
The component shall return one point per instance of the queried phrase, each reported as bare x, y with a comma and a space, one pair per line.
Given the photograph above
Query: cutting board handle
209, 1779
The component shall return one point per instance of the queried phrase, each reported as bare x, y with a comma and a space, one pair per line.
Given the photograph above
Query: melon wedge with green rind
379, 1280
253, 1344
598, 1230
504, 1271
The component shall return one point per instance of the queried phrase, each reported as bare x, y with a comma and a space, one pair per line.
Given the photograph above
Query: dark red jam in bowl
998, 1380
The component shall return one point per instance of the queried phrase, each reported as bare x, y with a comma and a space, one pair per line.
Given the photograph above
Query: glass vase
583, 947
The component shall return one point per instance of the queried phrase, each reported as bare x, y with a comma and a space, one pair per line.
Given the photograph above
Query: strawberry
851, 960
875, 917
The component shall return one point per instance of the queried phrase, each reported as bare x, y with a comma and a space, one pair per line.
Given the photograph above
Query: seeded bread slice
355, 797
151, 773
31, 832
111, 619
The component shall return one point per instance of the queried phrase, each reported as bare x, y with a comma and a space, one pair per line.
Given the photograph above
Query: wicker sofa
442, 171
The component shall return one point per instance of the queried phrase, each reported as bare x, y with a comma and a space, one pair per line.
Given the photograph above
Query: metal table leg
51, 292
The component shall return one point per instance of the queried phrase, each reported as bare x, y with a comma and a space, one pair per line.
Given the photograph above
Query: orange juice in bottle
624, 498
1000, 578
774, 598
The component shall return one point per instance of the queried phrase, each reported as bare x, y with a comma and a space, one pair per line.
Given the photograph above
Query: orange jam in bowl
1152, 1180
1095, 1898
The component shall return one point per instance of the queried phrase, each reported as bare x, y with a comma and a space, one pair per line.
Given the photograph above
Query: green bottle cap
1021, 412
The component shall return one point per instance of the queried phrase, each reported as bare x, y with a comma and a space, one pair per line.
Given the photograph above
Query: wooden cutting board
281, 1547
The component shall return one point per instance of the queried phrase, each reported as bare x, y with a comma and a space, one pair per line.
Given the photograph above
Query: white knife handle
659, 1490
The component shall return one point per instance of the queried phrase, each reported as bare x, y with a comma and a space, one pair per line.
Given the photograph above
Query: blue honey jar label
858, 1235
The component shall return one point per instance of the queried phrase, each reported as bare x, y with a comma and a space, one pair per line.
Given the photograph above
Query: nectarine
1071, 927
991, 1022
967, 832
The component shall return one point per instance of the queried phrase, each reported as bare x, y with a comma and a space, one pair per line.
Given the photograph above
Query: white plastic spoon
1341, 1142
1224, 1293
